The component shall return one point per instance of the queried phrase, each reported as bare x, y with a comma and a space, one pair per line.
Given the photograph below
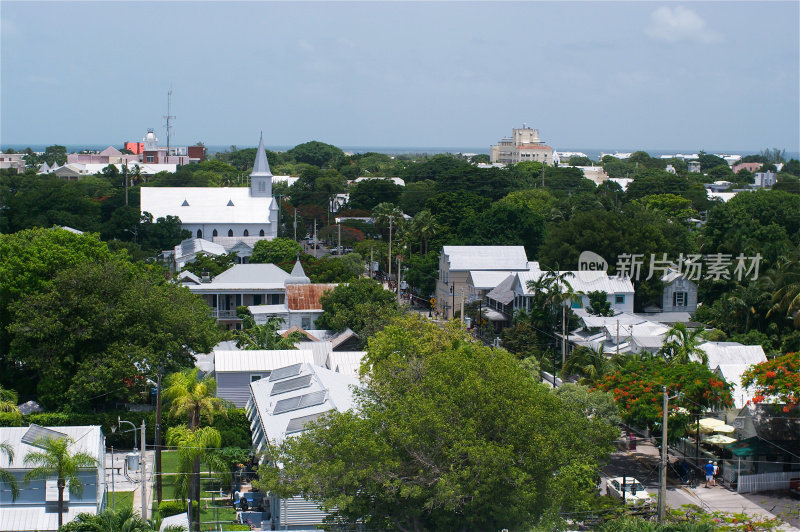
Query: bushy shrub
168, 508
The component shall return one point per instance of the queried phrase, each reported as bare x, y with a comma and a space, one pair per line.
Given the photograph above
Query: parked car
629, 489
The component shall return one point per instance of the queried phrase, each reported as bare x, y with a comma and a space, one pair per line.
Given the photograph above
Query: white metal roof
720, 353
605, 283
30, 519
197, 245
259, 360
488, 280
246, 277
338, 396
732, 373
591, 322
466, 258
86, 439
345, 362
207, 205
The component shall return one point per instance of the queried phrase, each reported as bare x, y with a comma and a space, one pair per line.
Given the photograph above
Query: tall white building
210, 212
524, 144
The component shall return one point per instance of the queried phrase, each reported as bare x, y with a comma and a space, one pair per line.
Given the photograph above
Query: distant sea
592, 153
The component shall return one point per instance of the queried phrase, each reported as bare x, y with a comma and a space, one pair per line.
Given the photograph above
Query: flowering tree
637, 389
777, 378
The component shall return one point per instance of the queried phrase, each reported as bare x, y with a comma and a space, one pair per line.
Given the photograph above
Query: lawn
122, 499
169, 464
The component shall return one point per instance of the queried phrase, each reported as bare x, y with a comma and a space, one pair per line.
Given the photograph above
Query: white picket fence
766, 481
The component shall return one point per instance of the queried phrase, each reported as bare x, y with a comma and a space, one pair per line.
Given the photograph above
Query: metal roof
197, 245
488, 280
345, 362
328, 390
206, 205
606, 283
306, 296
87, 439
261, 165
259, 360
504, 292
465, 258
30, 519
720, 353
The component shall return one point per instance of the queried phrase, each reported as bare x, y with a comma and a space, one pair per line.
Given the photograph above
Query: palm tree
194, 397
264, 336
8, 400
5, 476
423, 227
591, 364
786, 297
682, 343
123, 520
56, 460
194, 446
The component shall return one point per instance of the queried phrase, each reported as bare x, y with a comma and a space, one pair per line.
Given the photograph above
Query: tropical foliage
56, 460
6, 477
637, 389
123, 520
449, 435
265, 336
776, 379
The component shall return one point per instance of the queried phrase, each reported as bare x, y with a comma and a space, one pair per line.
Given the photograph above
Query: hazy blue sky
715, 76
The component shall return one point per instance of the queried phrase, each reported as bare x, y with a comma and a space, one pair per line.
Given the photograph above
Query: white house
36, 507
241, 285
209, 212
280, 407
730, 360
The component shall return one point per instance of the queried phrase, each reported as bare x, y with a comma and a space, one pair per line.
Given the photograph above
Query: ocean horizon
592, 153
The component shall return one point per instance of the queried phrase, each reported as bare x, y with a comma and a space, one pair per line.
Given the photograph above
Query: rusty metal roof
306, 296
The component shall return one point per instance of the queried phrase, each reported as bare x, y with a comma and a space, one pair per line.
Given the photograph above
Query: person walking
716, 472
709, 473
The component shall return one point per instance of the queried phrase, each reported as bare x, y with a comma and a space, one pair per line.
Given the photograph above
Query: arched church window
261, 233
246, 233
199, 233
215, 233
230, 232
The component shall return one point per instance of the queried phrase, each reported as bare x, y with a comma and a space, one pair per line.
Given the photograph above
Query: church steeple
261, 176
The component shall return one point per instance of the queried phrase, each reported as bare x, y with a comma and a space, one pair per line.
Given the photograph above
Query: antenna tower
169, 117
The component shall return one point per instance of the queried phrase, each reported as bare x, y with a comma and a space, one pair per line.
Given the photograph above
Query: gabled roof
251, 273
206, 205
342, 338
188, 277
197, 245
302, 331
345, 362
284, 413
605, 283
504, 292
487, 280
732, 353
259, 359
85, 438
465, 258
261, 165
111, 151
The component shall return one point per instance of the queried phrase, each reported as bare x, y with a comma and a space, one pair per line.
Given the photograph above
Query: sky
617, 75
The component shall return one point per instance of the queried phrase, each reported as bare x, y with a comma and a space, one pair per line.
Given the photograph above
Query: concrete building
36, 507
524, 144
13, 160
765, 179
209, 212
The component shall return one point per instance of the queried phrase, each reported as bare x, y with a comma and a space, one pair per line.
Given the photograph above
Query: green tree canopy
363, 305
448, 435
275, 251
368, 193
316, 153
94, 333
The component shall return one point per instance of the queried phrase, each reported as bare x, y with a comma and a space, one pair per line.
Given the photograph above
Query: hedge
235, 429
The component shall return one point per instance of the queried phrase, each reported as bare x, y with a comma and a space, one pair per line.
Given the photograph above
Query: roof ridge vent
185, 203
230, 203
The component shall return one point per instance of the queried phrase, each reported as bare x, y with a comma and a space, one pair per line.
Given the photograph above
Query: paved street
643, 465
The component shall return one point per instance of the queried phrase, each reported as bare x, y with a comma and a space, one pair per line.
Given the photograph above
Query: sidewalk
715, 499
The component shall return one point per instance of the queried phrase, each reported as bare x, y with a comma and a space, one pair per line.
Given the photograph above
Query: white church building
210, 212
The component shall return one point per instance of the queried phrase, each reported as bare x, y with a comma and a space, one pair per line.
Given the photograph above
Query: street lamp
453, 293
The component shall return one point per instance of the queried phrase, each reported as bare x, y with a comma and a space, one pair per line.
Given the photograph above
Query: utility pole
339, 250
125, 175
391, 219
453, 308
371, 259
563, 334
314, 242
144, 473
462, 307
295, 224
617, 337
157, 470
113, 488
662, 485
398, 279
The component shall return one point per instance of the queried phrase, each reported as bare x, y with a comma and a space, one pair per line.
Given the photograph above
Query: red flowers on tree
778, 378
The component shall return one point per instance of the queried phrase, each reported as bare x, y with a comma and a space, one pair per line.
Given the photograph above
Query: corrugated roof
335, 390
206, 205
27, 519
504, 292
345, 362
197, 245
259, 360
606, 283
302, 331
306, 296
85, 439
464, 258
722, 353
487, 280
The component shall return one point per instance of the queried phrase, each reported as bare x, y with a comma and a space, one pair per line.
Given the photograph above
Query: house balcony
225, 314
